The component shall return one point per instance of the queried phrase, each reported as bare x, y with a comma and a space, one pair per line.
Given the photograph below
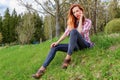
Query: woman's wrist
80, 20
57, 42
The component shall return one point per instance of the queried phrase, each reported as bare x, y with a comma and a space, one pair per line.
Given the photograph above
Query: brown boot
38, 74
66, 63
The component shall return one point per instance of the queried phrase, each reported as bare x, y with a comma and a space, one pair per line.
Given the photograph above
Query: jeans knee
73, 32
54, 48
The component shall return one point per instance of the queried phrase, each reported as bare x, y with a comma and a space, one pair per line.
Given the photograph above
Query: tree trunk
94, 25
50, 27
65, 23
57, 19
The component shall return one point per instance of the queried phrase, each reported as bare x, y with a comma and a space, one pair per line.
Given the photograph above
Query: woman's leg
76, 42
72, 45
51, 55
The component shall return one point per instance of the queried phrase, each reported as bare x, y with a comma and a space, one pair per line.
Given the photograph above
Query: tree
113, 9
1, 29
13, 24
6, 27
49, 26
1, 37
0, 23
26, 29
95, 16
39, 32
53, 7
117, 8
118, 13
98, 12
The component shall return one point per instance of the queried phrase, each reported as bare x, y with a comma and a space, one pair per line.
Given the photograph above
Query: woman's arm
59, 40
80, 24
79, 28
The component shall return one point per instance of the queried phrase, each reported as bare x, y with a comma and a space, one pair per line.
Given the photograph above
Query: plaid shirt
85, 30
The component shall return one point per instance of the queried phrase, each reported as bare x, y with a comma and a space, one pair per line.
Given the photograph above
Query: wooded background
31, 27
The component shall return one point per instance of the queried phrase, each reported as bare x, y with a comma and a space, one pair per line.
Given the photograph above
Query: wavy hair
71, 22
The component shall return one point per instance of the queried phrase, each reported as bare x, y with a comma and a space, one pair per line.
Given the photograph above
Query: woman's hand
80, 23
53, 44
81, 16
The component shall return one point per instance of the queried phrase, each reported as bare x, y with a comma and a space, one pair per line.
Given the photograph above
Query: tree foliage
10, 22
26, 29
0, 23
54, 18
13, 23
55, 8
49, 27
6, 27
39, 32
113, 9
1, 37
113, 26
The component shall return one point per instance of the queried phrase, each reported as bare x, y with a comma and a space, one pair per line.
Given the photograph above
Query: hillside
101, 62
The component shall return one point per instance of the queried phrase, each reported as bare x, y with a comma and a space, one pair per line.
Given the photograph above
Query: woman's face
77, 12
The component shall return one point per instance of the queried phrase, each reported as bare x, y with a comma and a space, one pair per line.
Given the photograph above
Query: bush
113, 26
1, 37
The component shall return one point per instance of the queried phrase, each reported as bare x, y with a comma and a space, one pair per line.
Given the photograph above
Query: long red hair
71, 22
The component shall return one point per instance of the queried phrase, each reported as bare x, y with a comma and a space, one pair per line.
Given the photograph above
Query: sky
11, 4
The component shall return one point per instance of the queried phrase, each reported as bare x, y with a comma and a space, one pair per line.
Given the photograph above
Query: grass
101, 62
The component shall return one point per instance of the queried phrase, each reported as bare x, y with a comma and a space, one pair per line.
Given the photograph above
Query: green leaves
113, 26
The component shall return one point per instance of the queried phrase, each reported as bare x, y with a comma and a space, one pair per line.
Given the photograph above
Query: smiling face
77, 12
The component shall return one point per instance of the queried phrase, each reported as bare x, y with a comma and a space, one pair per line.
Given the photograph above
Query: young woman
78, 30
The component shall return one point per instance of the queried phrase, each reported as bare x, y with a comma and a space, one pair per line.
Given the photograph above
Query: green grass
98, 63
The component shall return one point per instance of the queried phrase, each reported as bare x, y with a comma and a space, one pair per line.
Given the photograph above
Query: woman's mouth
78, 16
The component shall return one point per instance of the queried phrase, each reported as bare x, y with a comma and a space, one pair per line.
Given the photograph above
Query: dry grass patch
114, 47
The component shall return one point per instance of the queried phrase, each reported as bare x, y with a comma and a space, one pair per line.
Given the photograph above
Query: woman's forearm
80, 26
62, 38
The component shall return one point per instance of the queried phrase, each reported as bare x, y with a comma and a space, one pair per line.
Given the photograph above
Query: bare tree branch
29, 7
51, 4
44, 8
63, 2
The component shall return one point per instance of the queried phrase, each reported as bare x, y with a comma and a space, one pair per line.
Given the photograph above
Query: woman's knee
54, 48
74, 31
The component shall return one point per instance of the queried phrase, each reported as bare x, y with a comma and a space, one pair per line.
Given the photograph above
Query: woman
78, 28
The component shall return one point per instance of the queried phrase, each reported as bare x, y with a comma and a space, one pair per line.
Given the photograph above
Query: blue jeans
76, 42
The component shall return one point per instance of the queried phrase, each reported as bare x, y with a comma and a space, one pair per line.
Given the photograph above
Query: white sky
11, 4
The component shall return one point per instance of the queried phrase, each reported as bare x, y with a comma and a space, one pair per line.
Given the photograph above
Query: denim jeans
76, 42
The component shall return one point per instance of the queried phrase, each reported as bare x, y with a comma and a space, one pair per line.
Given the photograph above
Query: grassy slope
99, 63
